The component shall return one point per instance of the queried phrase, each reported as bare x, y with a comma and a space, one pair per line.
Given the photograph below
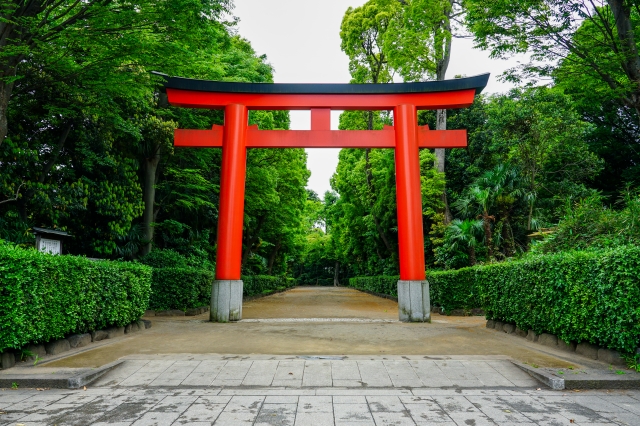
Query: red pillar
408, 194
232, 180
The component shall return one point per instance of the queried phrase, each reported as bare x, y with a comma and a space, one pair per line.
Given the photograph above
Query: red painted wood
321, 138
232, 181
320, 119
408, 194
214, 100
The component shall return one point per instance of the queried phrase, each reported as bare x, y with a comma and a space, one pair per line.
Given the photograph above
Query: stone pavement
264, 390
317, 407
294, 372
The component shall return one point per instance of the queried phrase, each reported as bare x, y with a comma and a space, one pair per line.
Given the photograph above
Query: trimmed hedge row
45, 297
265, 284
445, 288
186, 288
180, 288
591, 296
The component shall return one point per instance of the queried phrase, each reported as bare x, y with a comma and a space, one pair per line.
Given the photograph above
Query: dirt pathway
196, 335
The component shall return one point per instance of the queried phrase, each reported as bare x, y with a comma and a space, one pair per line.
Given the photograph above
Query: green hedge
186, 288
591, 296
446, 289
265, 284
180, 288
45, 297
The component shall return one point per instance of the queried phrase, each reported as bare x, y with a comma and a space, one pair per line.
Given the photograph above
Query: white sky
301, 39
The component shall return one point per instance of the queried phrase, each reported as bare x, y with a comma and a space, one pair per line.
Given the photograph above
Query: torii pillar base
413, 301
226, 300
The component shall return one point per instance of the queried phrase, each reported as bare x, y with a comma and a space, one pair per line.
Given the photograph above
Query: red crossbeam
321, 138
286, 101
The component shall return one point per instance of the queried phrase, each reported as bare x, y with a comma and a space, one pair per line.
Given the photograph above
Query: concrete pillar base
226, 300
413, 301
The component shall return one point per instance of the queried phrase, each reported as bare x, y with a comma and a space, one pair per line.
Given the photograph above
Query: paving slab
172, 406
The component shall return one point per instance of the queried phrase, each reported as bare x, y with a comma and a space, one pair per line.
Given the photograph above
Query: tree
463, 234
599, 39
143, 30
419, 47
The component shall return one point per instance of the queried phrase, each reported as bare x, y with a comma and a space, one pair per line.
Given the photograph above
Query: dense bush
382, 284
591, 296
45, 297
446, 289
172, 259
265, 284
579, 296
186, 288
180, 288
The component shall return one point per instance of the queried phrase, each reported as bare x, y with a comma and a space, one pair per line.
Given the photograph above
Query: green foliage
45, 297
380, 284
172, 259
180, 288
590, 224
264, 284
590, 296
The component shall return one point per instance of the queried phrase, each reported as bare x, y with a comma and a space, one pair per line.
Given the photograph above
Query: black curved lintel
477, 82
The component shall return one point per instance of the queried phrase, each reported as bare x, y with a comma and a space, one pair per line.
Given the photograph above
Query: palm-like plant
498, 186
463, 234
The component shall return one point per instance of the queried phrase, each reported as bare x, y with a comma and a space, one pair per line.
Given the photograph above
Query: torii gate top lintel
405, 137
456, 93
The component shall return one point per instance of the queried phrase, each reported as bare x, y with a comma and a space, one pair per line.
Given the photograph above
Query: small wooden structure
49, 240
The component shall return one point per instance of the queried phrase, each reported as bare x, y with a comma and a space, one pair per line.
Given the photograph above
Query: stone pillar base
413, 301
226, 300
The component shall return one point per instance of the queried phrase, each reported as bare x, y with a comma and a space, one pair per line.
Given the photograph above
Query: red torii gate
405, 99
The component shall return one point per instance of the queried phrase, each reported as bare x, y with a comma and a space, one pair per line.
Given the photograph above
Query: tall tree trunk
336, 269
486, 224
273, 255
149, 198
472, 255
441, 122
5, 95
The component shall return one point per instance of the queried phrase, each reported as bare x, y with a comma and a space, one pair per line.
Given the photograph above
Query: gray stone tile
48, 413
290, 370
352, 413
379, 403
147, 373
126, 412
261, 373
349, 399
317, 373
345, 370
402, 374
315, 404
623, 418
118, 375
233, 371
204, 374
157, 418
374, 374
395, 418
461, 410
428, 412
277, 414
176, 374
314, 419
497, 410
570, 409
200, 412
